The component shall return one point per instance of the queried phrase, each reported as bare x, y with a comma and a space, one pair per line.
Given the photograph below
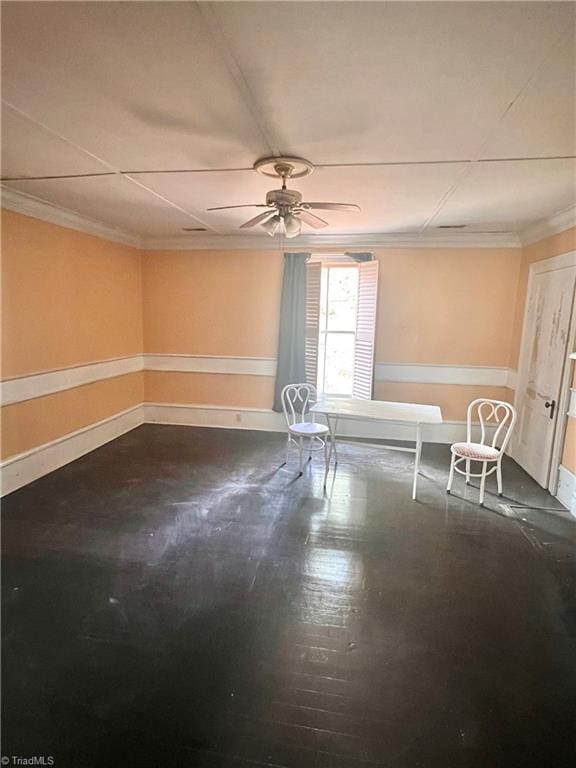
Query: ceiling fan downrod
285, 171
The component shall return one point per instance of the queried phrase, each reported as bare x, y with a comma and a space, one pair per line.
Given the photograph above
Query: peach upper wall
67, 298
227, 303
212, 302
551, 246
446, 306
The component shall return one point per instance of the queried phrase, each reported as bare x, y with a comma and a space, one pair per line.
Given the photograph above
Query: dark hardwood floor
177, 599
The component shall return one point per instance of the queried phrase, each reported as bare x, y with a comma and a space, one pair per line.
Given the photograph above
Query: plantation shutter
365, 330
313, 281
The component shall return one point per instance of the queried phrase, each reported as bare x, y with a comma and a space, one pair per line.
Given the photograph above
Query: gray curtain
291, 367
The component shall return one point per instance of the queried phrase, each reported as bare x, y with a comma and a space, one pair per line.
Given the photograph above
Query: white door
544, 353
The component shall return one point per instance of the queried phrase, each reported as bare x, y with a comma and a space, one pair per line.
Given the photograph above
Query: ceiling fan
286, 211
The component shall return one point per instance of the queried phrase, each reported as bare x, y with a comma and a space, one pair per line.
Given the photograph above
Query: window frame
366, 321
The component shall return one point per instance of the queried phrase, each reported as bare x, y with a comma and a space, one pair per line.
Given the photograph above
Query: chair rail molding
243, 366
27, 387
21, 388
424, 373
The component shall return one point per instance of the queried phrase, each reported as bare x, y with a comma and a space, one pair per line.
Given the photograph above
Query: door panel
547, 325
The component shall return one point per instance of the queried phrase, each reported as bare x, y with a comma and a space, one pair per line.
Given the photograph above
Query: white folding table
380, 411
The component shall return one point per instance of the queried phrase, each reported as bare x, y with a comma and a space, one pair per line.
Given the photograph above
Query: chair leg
310, 449
287, 452
499, 477
301, 449
483, 483
467, 471
451, 475
326, 461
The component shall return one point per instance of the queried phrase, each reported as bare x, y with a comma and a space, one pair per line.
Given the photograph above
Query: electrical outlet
238, 418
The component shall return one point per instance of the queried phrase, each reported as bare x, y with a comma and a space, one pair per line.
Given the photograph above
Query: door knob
552, 405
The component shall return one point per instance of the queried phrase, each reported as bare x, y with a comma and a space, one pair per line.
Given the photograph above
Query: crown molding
28, 205
347, 242
553, 225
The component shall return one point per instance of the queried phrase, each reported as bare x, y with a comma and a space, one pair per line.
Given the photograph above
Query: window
338, 299
340, 327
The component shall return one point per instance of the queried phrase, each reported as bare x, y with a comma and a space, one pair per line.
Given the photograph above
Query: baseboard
218, 416
566, 493
24, 468
226, 417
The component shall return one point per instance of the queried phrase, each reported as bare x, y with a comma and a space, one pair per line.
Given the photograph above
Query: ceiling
141, 115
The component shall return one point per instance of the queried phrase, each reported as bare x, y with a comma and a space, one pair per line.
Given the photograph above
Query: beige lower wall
257, 392
453, 399
31, 423
43, 419
208, 389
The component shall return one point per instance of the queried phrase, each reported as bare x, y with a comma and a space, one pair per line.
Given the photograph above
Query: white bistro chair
491, 414
296, 401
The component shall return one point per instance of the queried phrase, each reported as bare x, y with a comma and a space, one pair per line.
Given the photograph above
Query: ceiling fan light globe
292, 225
271, 226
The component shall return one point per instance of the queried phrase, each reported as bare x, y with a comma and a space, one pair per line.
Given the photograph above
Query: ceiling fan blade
331, 206
257, 219
311, 219
227, 207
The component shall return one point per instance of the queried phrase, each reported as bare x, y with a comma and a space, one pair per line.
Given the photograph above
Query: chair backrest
491, 414
296, 401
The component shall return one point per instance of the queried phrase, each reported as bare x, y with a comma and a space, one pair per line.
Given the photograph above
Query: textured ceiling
425, 114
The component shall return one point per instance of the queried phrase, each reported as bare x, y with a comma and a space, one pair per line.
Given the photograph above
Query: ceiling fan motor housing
283, 198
